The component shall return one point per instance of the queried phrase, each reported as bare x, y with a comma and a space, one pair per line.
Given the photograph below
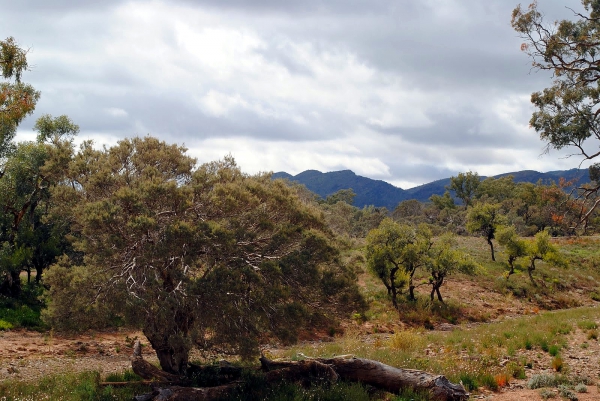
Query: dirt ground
29, 355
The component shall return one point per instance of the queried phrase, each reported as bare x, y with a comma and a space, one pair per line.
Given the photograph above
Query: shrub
583, 379
406, 340
502, 379
515, 370
542, 380
4, 325
581, 388
566, 392
557, 363
553, 350
489, 381
545, 394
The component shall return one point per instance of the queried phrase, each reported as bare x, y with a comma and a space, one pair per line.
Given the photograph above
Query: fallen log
394, 380
311, 370
383, 377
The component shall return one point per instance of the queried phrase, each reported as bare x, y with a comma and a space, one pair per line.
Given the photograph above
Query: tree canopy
394, 253
207, 257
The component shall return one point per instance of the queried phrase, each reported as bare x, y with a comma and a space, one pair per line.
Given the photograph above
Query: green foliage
23, 312
565, 115
496, 190
69, 387
125, 376
465, 186
444, 260
17, 99
343, 195
587, 325
30, 237
4, 325
514, 246
484, 219
541, 248
193, 255
349, 221
394, 252
443, 202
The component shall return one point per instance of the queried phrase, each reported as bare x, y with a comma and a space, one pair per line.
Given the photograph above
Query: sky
405, 91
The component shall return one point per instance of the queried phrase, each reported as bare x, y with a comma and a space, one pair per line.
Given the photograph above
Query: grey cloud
467, 57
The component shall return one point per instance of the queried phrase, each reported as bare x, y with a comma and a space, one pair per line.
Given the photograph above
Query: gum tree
541, 248
484, 219
568, 111
514, 246
394, 253
445, 259
465, 186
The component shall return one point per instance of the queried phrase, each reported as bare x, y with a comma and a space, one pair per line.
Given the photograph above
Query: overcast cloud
407, 91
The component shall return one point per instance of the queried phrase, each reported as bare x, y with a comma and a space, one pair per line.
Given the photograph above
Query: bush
553, 350
469, 382
545, 394
4, 325
489, 381
542, 380
566, 392
557, 363
406, 340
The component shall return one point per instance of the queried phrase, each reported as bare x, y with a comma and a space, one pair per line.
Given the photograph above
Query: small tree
497, 189
465, 186
30, 171
542, 249
444, 259
395, 252
484, 219
343, 195
443, 202
515, 247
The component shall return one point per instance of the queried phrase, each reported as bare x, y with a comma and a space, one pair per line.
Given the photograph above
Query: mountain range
380, 193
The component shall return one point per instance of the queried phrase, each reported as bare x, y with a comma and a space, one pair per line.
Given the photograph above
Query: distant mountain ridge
380, 193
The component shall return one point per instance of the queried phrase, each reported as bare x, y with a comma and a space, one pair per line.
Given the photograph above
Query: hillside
380, 193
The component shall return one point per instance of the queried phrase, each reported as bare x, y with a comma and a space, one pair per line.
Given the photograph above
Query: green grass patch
68, 387
587, 325
126, 376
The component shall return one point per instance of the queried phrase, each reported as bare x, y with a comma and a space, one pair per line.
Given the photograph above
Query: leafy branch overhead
568, 112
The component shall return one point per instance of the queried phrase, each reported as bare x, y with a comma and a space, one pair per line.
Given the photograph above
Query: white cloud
116, 112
